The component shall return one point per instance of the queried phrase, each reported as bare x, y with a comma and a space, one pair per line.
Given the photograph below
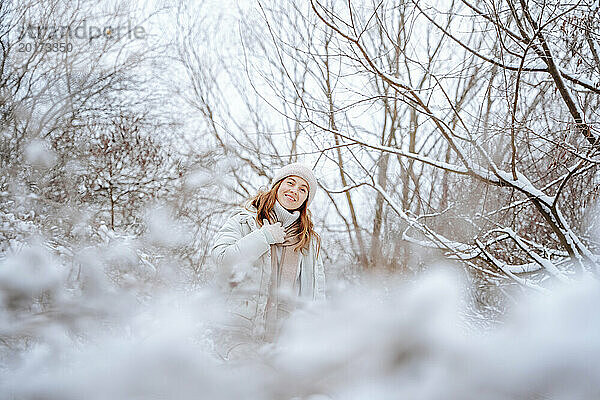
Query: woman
269, 252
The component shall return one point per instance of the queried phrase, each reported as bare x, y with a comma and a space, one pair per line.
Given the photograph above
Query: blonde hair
264, 202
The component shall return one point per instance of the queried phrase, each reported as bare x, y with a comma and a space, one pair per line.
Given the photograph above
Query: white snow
381, 339
39, 154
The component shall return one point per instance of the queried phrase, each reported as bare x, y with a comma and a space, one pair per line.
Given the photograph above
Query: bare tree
521, 171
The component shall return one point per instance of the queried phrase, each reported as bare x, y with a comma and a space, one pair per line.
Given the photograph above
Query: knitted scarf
284, 285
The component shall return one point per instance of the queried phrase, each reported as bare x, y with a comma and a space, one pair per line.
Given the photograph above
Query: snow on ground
97, 340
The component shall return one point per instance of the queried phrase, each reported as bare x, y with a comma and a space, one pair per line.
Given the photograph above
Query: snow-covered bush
409, 340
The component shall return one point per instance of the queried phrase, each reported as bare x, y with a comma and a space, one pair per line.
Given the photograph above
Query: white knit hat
303, 172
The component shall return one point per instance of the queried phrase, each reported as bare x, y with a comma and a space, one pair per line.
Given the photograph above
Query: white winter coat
243, 259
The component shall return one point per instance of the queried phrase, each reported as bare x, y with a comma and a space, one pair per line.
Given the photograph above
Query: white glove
273, 232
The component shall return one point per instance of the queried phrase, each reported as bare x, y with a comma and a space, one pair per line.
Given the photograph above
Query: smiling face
292, 192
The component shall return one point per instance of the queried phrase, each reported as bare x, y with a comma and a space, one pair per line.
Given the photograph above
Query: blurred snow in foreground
91, 339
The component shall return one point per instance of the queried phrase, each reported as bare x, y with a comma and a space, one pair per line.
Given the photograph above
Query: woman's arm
231, 247
319, 277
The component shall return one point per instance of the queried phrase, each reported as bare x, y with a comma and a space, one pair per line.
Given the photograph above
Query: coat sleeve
320, 278
232, 247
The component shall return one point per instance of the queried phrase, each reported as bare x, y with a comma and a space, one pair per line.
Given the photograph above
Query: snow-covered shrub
407, 341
